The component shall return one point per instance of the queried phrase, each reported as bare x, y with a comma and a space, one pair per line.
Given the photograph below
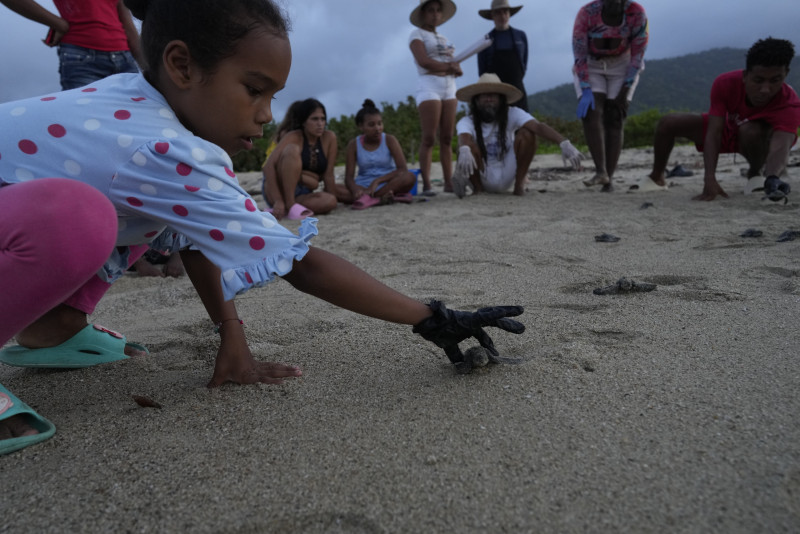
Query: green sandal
91, 346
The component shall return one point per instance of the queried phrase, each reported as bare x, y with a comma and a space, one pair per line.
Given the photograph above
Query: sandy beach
674, 410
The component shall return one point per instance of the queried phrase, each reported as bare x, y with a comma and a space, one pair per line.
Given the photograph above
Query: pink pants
55, 234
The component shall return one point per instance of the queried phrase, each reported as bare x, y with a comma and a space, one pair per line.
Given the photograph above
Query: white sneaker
756, 183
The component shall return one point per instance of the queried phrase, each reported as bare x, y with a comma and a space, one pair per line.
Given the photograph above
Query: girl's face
372, 127
230, 106
431, 14
315, 123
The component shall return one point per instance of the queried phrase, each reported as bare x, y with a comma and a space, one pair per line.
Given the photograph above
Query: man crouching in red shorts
753, 112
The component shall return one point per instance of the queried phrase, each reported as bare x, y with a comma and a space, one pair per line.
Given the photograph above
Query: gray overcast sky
348, 50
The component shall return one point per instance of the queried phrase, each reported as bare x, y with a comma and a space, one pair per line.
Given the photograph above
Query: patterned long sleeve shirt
589, 29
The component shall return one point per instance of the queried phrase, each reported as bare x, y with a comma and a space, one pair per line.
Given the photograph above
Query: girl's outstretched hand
236, 364
446, 328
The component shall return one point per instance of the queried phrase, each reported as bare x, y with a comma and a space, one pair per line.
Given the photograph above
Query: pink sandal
298, 212
365, 201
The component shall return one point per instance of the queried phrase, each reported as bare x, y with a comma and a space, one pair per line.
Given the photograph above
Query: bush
253, 160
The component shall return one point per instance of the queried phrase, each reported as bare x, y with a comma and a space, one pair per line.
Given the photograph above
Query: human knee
755, 133
524, 138
614, 114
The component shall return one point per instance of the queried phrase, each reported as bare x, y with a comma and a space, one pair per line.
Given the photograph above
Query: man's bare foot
519, 190
659, 180
597, 179
145, 268
16, 426
174, 266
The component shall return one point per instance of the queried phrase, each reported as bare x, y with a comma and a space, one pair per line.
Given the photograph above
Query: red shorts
730, 137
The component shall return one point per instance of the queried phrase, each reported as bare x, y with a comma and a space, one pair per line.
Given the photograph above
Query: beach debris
679, 171
145, 402
624, 285
788, 235
646, 205
606, 238
751, 232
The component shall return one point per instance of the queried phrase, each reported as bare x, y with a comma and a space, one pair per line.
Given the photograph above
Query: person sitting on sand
753, 112
497, 142
382, 173
304, 156
150, 151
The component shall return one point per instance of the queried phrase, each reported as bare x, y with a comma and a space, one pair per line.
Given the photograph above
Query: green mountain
673, 84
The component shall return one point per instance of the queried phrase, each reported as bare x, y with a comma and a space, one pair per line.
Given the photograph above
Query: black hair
287, 124
367, 108
770, 52
502, 122
303, 110
210, 28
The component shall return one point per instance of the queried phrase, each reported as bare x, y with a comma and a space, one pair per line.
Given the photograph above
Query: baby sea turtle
624, 285
480, 357
751, 232
788, 235
606, 238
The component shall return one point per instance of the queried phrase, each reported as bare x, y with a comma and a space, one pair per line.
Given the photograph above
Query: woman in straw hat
608, 41
436, 90
507, 56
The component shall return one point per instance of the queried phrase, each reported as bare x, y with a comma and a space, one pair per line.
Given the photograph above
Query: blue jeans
80, 66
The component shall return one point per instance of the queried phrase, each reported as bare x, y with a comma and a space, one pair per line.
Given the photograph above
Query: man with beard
497, 142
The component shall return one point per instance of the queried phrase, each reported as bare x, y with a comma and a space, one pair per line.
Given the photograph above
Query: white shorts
607, 76
432, 87
499, 176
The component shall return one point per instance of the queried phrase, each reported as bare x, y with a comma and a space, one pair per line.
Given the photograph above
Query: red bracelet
218, 325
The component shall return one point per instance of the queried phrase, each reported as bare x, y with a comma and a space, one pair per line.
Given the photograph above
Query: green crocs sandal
91, 346
11, 405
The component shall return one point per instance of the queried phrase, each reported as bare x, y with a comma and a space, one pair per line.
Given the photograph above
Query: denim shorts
80, 66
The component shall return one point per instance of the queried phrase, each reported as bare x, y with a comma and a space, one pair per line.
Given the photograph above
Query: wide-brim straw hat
448, 10
489, 83
498, 4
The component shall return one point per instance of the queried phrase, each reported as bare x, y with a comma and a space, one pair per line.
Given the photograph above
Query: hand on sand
239, 367
710, 192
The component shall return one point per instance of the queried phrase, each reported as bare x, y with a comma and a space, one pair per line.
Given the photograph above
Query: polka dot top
120, 136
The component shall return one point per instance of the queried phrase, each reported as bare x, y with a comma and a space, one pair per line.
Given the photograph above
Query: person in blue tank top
382, 174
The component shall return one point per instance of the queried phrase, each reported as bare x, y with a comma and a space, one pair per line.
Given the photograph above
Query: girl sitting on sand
382, 173
145, 158
305, 155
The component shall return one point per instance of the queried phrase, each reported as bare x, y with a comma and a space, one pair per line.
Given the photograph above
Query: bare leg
335, 280
446, 128
290, 169
174, 266
399, 182
754, 139
613, 122
145, 268
319, 202
430, 112
525, 145
593, 130
688, 125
